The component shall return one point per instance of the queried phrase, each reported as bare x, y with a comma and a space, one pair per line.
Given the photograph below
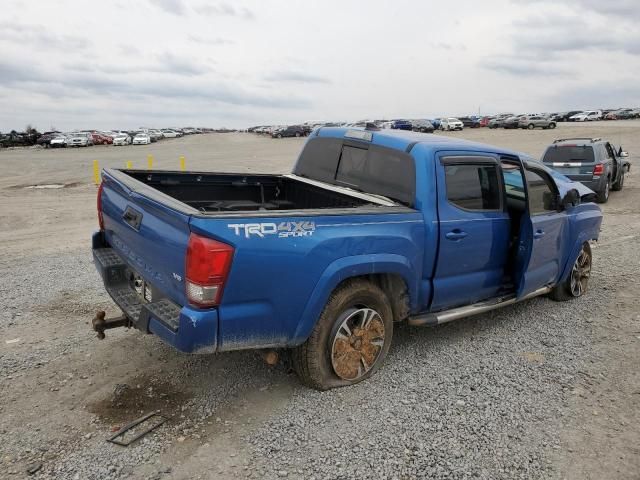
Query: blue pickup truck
370, 228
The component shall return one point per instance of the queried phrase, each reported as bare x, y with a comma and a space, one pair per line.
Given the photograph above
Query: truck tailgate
151, 237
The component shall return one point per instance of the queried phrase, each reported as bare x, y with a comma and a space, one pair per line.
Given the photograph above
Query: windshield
569, 153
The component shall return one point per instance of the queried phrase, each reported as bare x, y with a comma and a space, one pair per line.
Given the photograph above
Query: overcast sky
124, 64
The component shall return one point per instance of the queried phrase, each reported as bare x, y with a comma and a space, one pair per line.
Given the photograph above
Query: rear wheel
603, 195
619, 185
576, 284
531, 126
350, 339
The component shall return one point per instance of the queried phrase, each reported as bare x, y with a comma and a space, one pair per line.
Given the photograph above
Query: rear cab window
359, 165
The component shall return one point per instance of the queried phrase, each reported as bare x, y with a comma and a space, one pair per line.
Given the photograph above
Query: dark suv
591, 161
291, 131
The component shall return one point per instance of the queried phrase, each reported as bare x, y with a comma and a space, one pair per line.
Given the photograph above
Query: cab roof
405, 140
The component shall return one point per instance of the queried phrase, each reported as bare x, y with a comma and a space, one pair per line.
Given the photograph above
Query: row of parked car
87, 138
429, 125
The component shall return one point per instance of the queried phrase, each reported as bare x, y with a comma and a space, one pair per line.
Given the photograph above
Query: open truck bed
219, 193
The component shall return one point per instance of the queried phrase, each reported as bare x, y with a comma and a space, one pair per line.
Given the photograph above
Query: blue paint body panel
277, 287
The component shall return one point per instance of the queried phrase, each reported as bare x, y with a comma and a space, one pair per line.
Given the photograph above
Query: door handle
456, 234
538, 234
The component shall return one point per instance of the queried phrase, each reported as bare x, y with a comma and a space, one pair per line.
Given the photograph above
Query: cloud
514, 65
226, 9
295, 77
561, 34
624, 9
167, 63
180, 65
622, 93
31, 78
40, 37
210, 41
175, 7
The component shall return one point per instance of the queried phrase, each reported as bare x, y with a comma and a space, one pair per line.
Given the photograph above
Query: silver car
535, 121
79, 140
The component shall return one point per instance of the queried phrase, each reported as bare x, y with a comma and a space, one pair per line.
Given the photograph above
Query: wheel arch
392, 273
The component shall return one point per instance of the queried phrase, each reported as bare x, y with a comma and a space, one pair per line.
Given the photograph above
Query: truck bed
209, 192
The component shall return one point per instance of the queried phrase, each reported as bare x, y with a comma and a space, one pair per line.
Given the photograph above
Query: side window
473, 187
513, 182
541, 193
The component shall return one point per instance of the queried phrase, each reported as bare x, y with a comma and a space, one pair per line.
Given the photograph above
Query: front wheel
350, 340
576, 284
531, 126
552, 125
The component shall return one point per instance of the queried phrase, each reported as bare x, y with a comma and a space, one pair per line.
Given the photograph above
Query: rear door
474, 230
543, 234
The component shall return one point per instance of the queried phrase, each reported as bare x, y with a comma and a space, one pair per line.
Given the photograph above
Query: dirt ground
60, 385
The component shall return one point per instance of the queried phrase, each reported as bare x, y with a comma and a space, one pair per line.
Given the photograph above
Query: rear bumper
187, 329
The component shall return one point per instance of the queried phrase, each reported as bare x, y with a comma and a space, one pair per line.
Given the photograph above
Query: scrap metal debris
160, 419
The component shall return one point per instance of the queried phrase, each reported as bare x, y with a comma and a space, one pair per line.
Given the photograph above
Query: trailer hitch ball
100, 323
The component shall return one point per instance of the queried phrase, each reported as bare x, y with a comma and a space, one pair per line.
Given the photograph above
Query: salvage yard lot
537, 390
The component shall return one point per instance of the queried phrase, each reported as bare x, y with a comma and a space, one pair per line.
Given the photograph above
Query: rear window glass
562, 154
361, 166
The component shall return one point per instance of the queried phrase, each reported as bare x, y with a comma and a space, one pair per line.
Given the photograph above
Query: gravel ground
537, 390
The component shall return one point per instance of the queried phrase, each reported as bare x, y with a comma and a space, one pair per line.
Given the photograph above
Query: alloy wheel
357, 343
580, 273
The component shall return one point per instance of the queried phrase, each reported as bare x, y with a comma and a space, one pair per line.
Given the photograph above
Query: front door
542, 230
474, 230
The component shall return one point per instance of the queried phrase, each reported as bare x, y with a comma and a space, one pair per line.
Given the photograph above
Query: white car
58, 142
80, 139
451, 123
170, 134
587, 116
142, 139
121, 139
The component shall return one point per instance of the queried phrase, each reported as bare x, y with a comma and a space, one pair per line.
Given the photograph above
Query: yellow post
150, 161
129, 165
182, 165
96, 172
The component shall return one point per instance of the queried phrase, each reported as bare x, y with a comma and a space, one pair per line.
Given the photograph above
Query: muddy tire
576, 283
350, 339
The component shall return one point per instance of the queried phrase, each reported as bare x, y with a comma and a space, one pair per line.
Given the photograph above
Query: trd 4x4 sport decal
282, 229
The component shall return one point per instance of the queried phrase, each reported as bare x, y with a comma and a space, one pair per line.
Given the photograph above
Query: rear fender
349, 267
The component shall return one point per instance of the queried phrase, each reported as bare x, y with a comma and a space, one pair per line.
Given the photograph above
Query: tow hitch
100, 324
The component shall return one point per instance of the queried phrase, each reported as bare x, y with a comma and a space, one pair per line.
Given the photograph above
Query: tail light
598, 169
100, 217
206, 270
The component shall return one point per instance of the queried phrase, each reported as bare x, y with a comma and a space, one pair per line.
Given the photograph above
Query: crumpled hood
565, 184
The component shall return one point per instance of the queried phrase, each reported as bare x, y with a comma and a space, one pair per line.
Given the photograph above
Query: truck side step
431, 319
